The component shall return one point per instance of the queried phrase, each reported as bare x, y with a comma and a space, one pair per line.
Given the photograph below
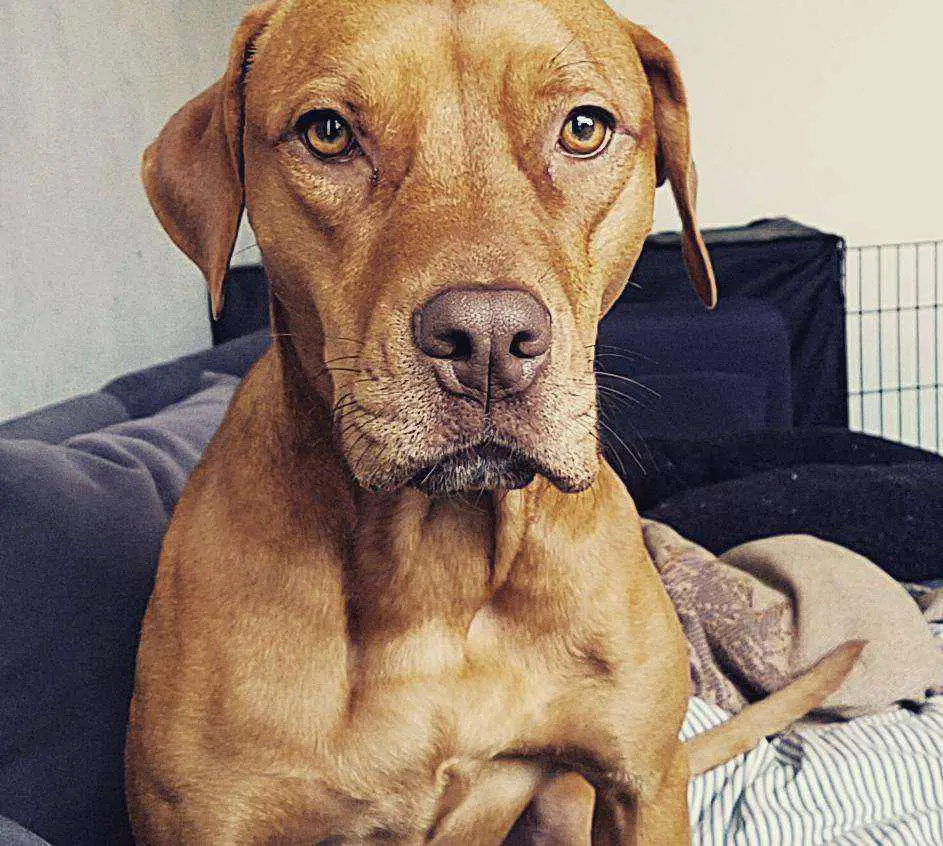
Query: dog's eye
586, 132
326, 134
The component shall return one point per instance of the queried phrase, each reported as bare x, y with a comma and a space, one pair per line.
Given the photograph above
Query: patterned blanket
759, 614
763, 612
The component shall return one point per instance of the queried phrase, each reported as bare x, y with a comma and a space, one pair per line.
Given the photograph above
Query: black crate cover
793, 267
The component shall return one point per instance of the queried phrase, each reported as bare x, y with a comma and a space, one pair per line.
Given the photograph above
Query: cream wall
827, 111
89, 286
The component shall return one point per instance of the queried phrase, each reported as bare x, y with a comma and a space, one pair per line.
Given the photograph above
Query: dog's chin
487, 465
483, 467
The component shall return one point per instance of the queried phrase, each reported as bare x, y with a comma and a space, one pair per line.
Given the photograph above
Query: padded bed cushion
880, 499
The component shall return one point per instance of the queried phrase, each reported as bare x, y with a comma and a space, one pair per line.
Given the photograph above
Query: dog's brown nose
486, 344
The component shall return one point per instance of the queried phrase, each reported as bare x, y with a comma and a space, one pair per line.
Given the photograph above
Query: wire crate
894, 322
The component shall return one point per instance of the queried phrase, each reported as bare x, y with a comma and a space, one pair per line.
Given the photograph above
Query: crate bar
881, 339
917, 370
936, 342
861, 332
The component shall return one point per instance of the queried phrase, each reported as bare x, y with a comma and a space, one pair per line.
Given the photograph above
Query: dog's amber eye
326, 134
586, 131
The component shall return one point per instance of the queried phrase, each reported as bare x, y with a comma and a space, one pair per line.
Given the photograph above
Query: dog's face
447, 196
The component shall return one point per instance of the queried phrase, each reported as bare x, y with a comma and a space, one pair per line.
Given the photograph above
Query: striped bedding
874, 780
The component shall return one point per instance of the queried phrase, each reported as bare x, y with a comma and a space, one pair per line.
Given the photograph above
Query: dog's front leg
481, 803
646, 816
560, 814
516, 802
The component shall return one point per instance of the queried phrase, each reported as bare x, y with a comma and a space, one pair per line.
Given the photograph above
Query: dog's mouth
488, 458
485, 466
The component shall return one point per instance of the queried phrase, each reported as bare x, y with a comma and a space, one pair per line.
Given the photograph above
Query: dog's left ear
193, 171
674, 162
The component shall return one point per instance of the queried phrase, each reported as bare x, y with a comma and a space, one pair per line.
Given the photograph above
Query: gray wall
89, 285
826, 110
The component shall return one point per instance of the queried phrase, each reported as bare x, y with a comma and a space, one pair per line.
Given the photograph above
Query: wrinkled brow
330, 88
567, 71
578, 75
332, 85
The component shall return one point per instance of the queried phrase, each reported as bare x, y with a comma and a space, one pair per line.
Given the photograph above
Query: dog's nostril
455, 345
527, 345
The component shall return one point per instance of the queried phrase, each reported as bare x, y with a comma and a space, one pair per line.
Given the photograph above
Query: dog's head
448, 195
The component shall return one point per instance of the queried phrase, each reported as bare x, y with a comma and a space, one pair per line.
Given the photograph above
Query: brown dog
402, 597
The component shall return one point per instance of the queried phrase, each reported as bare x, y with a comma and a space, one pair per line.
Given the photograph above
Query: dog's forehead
379, 22
391, 50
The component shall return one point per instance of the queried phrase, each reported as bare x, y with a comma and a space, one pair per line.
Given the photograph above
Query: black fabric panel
675, 370
673, 467
792, 267
881, 499
245, 304
684, 405
889, 513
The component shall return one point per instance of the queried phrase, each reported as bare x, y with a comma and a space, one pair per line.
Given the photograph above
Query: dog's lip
499, 465
417, 475
511, 467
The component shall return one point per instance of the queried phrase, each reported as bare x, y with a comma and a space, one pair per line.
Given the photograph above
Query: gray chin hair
474, 470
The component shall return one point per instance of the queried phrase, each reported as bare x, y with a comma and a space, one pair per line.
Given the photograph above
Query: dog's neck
410, 557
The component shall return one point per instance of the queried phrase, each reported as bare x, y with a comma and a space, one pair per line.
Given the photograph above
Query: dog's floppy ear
673, 156
192, 172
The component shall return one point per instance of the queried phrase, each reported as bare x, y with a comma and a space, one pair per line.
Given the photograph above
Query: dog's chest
442, 694
428, 699
490, 673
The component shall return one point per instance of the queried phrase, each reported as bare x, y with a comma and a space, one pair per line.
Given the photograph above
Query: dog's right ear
193, 171
673, 156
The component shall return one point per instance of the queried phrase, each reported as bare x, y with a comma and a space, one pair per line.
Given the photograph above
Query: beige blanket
765, 611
